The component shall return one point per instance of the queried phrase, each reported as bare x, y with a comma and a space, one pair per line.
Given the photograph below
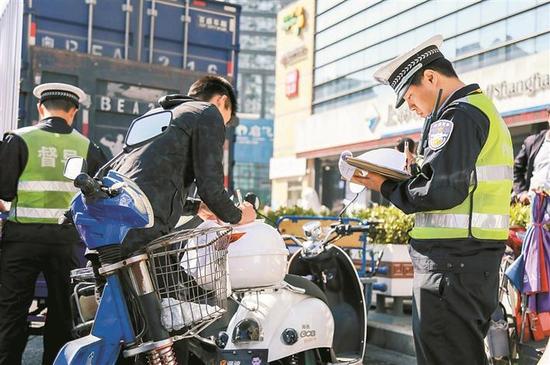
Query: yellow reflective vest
485, 213
43, 193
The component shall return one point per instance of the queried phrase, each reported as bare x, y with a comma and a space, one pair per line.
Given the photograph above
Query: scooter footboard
88, 350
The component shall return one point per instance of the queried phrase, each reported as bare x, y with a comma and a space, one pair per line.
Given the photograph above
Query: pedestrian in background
532, 164
408, 147
31, 178
460, 199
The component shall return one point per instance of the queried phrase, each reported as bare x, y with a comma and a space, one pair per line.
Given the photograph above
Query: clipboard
391, 174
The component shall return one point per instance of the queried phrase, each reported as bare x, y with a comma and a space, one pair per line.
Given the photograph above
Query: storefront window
467, 64
492, 10
514, 6
447, 26
448, 48
469, 18
520, 25
493, 34
324, 5
520, 49
341, 12
354, 81
492, 57
543, 18
542, 43
341, 67
467, 43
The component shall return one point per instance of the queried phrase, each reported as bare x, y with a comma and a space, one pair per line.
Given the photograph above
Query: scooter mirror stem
340, 215
101, 172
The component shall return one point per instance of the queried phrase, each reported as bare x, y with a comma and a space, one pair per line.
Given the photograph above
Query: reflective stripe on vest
462, 220
40, 213
494, 173
484, 214
43, 193
46, 186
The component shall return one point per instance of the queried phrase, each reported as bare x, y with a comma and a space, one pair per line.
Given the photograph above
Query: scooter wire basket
189, 272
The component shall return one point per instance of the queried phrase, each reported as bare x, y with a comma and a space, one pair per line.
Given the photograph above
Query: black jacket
525, 161
191, 148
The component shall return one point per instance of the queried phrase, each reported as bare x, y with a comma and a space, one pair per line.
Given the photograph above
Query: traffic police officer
460, 198
32, 179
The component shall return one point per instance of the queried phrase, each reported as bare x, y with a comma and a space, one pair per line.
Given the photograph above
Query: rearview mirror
146, 128
313, 230
74, 167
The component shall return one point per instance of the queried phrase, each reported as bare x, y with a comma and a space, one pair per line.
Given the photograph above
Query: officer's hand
249, 214
372, 181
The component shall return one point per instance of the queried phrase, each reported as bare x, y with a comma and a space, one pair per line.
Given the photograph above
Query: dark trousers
453, 299
20, 264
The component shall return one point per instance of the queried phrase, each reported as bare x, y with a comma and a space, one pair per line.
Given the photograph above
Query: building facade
256, 95
293, 100
504, 45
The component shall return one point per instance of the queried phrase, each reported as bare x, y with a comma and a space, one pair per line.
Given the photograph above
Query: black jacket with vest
191, 149
525, 161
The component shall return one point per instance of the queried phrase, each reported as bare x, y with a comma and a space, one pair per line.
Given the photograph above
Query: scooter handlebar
347, 229
90, 188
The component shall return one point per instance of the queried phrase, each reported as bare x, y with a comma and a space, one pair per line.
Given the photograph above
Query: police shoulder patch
440, 133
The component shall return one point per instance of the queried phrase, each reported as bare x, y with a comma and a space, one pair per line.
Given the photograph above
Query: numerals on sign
163, 60
212, 69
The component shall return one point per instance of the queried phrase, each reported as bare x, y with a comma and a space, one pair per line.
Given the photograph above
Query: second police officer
33, 160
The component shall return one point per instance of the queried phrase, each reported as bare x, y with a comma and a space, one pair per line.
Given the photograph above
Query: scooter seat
310, 288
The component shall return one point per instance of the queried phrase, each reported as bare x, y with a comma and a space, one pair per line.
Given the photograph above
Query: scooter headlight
247, 330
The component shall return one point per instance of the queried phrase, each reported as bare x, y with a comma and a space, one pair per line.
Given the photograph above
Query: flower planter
398, 275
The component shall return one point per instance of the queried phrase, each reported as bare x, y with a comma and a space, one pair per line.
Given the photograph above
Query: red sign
292, 82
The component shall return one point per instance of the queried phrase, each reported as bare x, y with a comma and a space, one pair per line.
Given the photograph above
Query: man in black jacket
525, 164
191, 149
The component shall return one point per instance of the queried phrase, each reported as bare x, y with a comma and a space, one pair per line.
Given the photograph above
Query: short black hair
441, 65
401, 145
58, 104
208, 86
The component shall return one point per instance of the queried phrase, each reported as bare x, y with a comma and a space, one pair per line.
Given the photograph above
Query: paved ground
375, 355
380, 356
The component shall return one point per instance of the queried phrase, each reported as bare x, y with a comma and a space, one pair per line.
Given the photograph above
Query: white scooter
310, 310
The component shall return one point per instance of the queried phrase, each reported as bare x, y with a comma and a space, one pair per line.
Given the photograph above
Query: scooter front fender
89, 350
112, 328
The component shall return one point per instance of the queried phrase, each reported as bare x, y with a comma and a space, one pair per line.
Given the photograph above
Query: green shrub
295, 210
393, 227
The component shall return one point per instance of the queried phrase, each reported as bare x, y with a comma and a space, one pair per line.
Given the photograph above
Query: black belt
467, 264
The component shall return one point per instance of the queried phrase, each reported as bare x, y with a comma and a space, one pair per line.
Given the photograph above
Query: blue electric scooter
145, 297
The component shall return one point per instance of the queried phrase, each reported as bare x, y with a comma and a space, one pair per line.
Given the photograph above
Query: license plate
242, 357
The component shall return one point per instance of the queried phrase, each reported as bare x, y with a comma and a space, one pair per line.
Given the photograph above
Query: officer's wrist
387, 188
